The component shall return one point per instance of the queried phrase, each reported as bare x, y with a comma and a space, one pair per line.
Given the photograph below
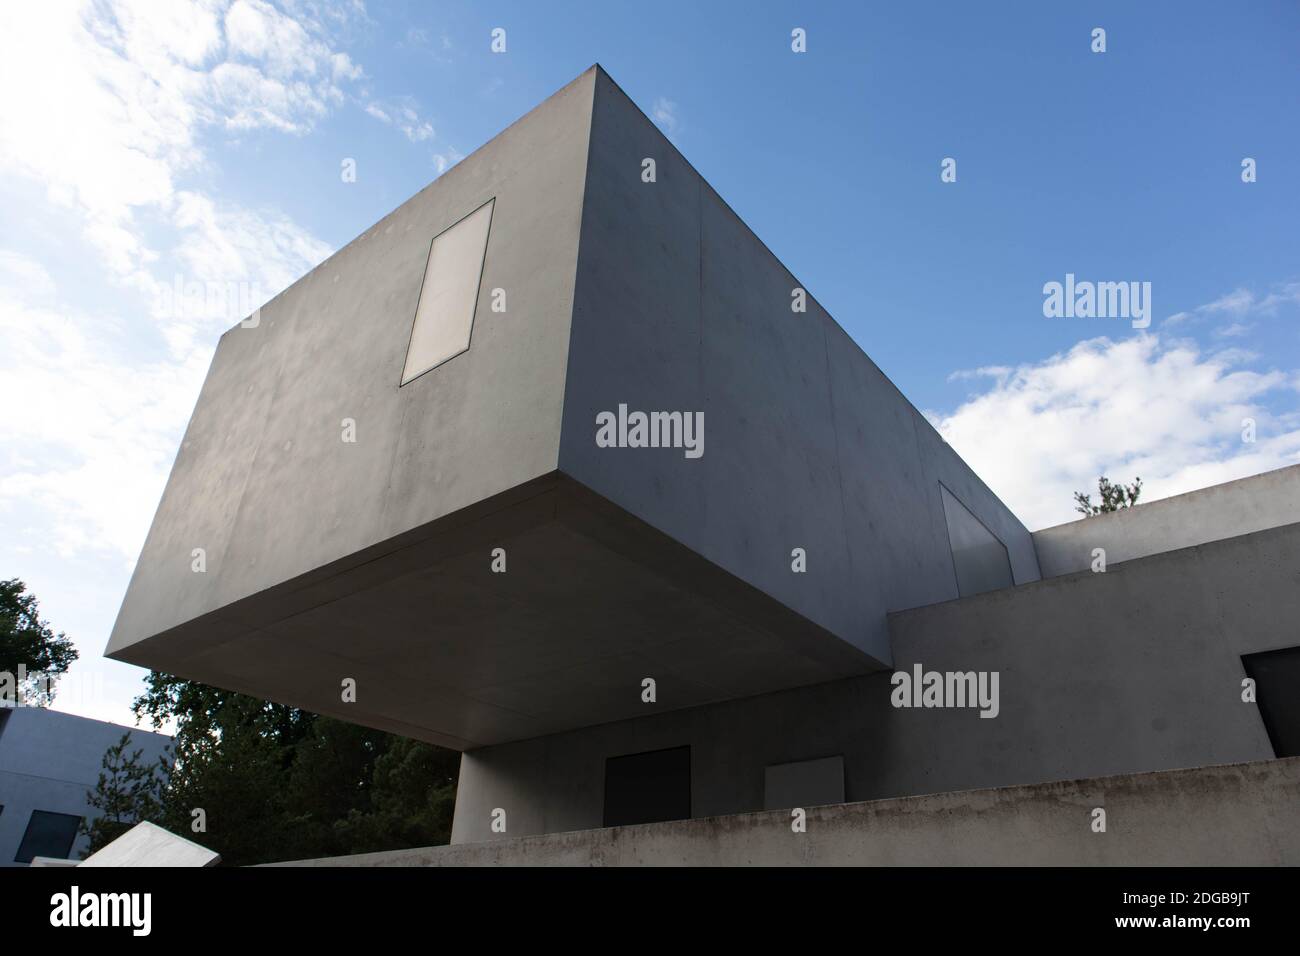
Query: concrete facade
622, 564
1236, 815
496, 578
48, 762
1209, 514
1133, 670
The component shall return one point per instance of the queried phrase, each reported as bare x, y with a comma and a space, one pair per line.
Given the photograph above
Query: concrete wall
1235, 815
48, 760
679, 306
263, 481
1220, 511
1133, 670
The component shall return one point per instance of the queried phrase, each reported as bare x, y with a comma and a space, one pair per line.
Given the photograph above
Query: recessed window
48, 834
1277, 694
648, 788
978, 557
444, 314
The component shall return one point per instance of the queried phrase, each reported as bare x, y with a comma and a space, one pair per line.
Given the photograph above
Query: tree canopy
1113, 497
30, 648
269, 782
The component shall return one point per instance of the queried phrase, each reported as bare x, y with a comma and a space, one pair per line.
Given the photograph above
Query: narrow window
979, 559
444, 314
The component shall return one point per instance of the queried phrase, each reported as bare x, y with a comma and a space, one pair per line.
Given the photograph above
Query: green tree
28, 641
126, 793
278, 783
1113, 497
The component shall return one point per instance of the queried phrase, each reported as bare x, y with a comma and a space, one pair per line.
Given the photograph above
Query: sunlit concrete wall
1220, 511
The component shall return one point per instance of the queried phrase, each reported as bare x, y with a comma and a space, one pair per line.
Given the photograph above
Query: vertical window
978, 557
444, 313
48, 834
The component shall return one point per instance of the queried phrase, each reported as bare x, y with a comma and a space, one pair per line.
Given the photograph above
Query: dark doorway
648, 788
1277, 694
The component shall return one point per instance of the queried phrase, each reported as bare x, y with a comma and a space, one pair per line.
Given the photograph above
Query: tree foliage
279, 783
1113, 497
28, 641
127, 793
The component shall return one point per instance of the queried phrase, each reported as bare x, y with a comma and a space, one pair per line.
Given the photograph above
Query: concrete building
559, 466
48, 763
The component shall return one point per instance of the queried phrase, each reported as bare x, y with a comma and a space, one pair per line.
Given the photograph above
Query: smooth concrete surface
804, 783
264, 481
1237, 507
1133, 670
369, 562
1245, 814
444, 649
49, 761
147, 844
679, 306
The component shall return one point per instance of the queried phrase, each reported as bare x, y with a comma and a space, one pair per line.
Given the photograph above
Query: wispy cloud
1241, 303
666, 116
404, 116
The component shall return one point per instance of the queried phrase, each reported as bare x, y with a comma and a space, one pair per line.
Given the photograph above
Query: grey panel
805, 783
978, 557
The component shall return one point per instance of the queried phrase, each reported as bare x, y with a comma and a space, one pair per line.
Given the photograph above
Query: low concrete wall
1222, 511
1235, 815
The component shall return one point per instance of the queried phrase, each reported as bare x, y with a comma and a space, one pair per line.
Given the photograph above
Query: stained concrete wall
263, 481
48, 761
1235, 815
1220, 511
680, 307
1133, 670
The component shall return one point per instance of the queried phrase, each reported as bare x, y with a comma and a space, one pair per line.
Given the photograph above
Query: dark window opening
48, 834
1277, 694
648, 787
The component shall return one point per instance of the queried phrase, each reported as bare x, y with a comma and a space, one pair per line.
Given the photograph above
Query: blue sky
204, 140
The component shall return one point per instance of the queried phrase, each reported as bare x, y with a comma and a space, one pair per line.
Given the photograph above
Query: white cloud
664, 113
1240, 303
445, 160
1137, 407
110, 131
404, 116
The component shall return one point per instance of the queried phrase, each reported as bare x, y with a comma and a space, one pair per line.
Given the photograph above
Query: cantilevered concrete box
372, 559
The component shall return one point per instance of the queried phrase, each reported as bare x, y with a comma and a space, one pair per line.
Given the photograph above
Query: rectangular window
48, 834
648, 788
444, 313
978, 557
